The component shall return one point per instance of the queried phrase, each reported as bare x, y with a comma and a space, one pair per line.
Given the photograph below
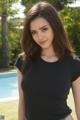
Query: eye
33, 32
44, 29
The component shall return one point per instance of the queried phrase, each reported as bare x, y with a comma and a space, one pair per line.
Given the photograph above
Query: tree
14, 35
5, 12
4, 38
71, 21
59, 4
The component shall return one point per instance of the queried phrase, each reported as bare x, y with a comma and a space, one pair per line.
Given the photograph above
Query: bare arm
76, 94
21, 98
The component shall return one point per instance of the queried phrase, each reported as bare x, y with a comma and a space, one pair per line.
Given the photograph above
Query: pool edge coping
9, 99
15, 71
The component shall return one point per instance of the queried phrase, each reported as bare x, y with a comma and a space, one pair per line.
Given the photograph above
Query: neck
48, 52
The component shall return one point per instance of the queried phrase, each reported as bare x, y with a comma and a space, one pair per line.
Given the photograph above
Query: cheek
35, 39
50, 36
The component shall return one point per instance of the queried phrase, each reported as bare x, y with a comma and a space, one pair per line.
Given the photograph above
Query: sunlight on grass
10, 110
71, 104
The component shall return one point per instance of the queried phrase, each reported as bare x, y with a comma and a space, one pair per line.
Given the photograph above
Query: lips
43, 41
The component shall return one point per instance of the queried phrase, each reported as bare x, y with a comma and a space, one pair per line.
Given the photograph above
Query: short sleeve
76, 69
18, 63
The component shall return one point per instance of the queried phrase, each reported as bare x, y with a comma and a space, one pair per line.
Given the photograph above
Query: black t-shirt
49, 85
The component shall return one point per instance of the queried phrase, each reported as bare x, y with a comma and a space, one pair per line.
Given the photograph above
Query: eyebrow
40, 27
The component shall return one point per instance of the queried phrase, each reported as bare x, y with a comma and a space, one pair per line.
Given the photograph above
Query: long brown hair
61, 43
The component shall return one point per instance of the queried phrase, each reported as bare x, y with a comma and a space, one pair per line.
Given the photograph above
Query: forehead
38, 23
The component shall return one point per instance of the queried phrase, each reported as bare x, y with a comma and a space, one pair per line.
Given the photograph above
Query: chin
45, 47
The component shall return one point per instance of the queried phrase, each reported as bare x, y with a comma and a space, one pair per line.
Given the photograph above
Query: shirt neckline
48, 62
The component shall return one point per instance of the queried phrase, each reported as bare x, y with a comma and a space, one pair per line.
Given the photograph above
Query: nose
40, 36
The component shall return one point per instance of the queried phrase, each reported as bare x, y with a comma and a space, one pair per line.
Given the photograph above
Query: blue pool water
8, 85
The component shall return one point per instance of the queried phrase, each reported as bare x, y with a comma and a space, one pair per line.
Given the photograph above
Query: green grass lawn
71, 104
10, 109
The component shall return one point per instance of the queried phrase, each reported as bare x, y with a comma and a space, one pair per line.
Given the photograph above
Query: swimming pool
8, 86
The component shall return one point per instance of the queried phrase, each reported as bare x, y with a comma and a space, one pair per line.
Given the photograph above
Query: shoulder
75, 64
72, 63
19, 62
75, 61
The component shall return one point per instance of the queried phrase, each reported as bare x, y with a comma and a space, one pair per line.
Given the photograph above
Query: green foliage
13, 34
71, 20
8, 5
59, 4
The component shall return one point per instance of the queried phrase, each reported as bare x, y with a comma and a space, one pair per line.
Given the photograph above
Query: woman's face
42, 32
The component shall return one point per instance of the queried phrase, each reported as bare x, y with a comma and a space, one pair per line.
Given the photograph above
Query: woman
47, 68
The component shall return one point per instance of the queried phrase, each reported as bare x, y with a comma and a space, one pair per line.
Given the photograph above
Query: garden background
11, 26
